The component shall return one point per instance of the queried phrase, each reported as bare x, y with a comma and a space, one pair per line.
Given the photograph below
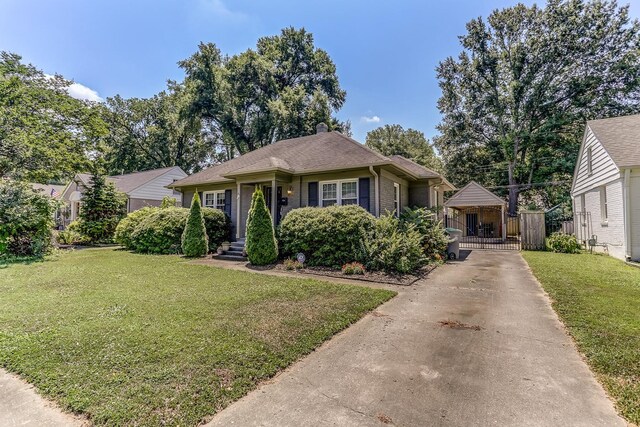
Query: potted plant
226, 246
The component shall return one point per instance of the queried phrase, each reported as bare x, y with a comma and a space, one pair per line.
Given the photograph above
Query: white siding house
606, 186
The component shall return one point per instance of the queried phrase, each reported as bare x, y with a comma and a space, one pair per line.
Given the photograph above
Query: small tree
262, 248
102, 208
195, 242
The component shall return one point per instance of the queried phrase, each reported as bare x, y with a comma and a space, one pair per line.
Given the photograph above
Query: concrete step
233, 251
228, 257
235, 245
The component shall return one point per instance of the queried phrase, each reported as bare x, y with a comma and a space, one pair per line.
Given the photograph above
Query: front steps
235, 252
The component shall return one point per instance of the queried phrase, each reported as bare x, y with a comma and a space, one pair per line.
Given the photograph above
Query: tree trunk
514, 191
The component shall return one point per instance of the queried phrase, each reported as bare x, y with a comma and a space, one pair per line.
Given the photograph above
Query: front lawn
598, 299
151, 340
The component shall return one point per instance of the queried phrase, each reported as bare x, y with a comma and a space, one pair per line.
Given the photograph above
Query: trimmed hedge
262, 247
395, 247
195, 242
331, 236
159, 230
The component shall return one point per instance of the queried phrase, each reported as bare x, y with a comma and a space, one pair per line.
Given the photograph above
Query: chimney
322, 128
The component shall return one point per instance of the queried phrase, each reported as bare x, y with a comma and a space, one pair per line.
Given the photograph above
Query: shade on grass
598, 299
148, 340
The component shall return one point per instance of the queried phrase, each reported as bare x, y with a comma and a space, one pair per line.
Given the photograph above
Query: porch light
290, 190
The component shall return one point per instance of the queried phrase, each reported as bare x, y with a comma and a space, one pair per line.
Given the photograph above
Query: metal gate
486, 228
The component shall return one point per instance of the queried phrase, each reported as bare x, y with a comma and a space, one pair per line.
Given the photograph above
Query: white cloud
79, 91
218, 8
370, 119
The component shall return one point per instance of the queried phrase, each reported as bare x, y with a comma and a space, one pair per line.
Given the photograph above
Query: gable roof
620, 137
130, 181
48, 189
323, 151
474, 194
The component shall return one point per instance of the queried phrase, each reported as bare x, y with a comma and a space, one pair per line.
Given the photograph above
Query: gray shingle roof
318, 152
418, 170
128, 182
620, 136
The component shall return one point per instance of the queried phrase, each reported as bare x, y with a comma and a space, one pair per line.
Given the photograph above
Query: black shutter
201, 199
363, 193
227, 202
313, 194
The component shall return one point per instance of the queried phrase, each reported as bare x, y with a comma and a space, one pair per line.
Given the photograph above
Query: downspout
376, 188
627, 214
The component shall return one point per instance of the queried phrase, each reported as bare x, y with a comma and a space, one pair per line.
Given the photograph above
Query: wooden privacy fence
532, 230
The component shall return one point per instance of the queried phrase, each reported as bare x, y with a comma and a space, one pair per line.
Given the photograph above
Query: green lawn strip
598, 299
150, 340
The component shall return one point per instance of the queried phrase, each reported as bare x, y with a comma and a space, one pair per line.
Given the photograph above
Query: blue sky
385, 51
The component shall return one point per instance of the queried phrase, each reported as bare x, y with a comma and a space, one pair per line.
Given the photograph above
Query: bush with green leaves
128, 224
393, 247
195, 242
432, 236
261, 244
26, 219
331, 236
102, 208
563, 243
218, 227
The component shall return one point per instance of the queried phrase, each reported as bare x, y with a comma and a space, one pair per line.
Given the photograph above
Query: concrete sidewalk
501, 358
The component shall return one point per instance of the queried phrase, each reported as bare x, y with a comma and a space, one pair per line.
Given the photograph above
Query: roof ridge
139, 172
383, 157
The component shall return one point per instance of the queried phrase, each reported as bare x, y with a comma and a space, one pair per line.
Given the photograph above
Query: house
146, 188
323, 169
477, 212
606, 186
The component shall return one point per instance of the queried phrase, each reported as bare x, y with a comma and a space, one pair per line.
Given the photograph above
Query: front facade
142, 189
606, 187
324, 169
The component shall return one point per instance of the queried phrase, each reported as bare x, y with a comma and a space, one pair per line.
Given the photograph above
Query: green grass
598, 299
148, 340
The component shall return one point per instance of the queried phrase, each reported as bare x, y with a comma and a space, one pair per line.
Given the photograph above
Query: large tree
282, 89
152, 133
45, 134
392, 140
515, 100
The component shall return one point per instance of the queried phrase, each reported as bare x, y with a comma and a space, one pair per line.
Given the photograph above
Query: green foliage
261, 244
168, 202
26, 219
330, 236
563, 243
282, 89
432, 236
195, 242
392, 140
515, 100
394, 248
351, 268
45, 134
159, 230
102, 208
292, 264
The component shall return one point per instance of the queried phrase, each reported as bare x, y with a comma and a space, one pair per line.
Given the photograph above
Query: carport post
504, 225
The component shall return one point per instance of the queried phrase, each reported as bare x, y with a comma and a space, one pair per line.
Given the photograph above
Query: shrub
218, 227
292, 264
262, 248
330, 236
102, 208
26, 219
128, 224
353, 268
395, 248
70, 237
432, 236
168, 202
160, 231
563, 243
195, 242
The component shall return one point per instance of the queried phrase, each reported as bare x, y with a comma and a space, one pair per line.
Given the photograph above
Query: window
589, 161
339, 192
213, 199
603, 205
396, 198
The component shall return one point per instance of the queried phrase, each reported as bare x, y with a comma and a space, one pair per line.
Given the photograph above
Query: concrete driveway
501, 358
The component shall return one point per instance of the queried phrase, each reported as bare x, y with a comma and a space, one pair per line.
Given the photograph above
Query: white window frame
604, 208
338, 191
589, 161
215, 199
396, 198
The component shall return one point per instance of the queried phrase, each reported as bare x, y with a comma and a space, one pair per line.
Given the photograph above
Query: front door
268, 194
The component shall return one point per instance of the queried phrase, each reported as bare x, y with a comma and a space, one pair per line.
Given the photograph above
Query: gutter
627, 213
376, 187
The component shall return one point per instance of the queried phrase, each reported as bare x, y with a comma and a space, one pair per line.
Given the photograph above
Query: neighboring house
55, 192
323, 169
477, 212
146, 188
606, 186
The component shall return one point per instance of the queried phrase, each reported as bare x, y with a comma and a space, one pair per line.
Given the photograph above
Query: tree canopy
515, 100
392, 140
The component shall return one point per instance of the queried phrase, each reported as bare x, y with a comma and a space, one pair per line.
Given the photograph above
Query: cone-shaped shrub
262, 248
195, 242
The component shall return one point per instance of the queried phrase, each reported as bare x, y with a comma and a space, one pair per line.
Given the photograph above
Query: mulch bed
369, 276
